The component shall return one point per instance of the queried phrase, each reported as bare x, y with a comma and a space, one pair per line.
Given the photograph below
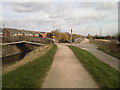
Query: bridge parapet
26, 38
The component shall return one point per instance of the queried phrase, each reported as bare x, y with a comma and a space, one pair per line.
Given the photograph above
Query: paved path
68, 72
112, 61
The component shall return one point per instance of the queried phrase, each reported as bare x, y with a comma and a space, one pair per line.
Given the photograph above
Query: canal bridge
24, 39
21, 42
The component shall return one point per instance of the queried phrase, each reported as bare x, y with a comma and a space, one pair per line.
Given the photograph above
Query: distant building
5, 32
36, 34
44, 34
16, 32
1, 33
27, 33
11, 32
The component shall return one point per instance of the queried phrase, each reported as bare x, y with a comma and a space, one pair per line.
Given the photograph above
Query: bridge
24, 39
11, 43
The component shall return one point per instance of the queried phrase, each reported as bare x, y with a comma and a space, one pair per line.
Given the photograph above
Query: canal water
14, 58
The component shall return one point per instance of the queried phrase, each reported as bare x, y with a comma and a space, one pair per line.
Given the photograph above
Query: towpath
68, 72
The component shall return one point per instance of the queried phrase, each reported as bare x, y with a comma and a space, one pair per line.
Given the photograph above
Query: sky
82, 17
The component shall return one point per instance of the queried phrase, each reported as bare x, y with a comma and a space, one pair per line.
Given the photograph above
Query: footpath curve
112, 61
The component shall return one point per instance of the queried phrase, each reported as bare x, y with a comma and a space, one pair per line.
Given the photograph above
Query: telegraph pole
3, 25
100, 32
71, 36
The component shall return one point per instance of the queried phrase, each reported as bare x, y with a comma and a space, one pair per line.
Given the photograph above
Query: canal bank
32, 74
39, 51
13, 53
13, 58
10, 50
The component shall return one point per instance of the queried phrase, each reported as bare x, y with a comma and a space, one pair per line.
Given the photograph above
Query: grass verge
104, 75
30, 75
110, 48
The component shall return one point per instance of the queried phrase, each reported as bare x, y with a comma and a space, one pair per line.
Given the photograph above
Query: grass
30, 75
110, 48
104, 75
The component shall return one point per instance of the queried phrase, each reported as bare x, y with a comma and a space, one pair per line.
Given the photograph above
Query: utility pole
3, 25
71, 36
100, 32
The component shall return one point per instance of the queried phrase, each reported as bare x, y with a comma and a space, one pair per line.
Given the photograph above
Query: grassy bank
110, 48
30, 75
104, 75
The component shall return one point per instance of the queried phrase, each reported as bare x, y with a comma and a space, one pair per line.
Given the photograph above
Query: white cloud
108, 6
60, 0
82, 17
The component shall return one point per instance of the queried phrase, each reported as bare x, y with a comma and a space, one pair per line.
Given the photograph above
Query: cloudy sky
82, 17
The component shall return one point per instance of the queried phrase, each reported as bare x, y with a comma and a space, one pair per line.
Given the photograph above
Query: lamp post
100, 31
3, 26
71, 36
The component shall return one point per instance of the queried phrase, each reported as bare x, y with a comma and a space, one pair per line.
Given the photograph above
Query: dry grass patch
110, 48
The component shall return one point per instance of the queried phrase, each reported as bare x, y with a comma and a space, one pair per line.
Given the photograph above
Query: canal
13, 58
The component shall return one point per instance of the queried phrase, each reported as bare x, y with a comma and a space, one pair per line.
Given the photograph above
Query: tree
62, 36
49, 35
89, 36
56, 33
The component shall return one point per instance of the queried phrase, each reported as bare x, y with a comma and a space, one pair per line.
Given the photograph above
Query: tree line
64, 36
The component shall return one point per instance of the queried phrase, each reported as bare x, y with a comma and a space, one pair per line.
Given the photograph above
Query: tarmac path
112, 61
68, 72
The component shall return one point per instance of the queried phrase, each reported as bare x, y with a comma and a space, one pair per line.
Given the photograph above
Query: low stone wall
26, 38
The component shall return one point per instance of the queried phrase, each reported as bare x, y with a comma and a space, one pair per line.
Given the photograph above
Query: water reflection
13, 58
